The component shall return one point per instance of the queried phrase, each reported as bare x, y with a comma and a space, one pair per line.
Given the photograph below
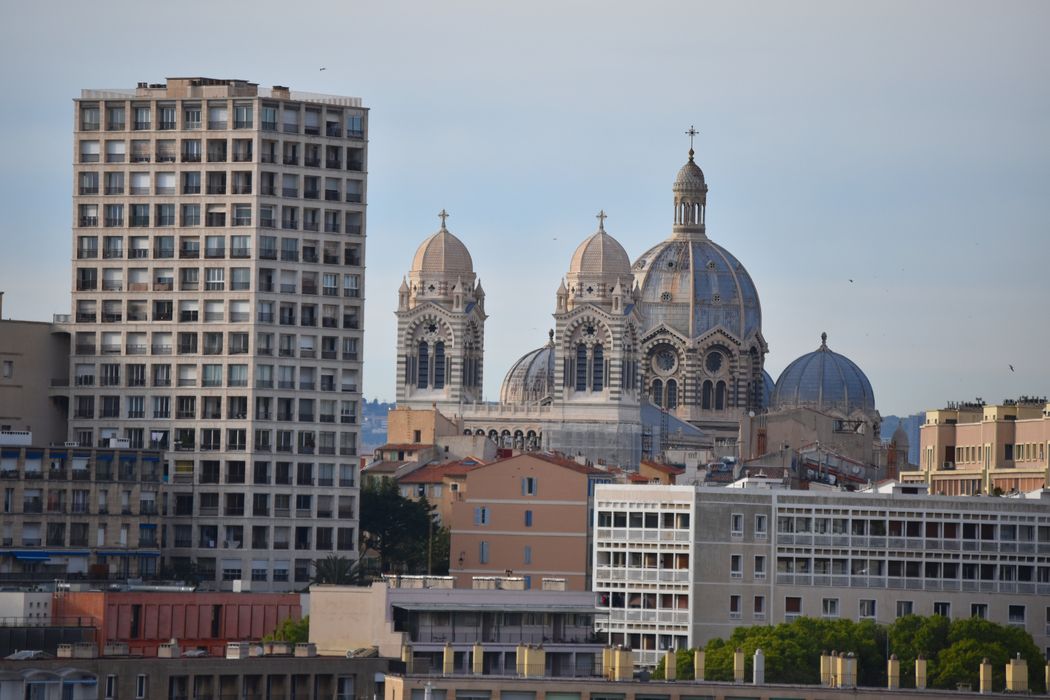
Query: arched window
597, 368
720, 396
423, 367
581, 367
657, 392
439, 365
672, 393
706, 398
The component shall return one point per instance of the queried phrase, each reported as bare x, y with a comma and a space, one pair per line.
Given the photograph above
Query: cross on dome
601, 217
443, 215
691, 133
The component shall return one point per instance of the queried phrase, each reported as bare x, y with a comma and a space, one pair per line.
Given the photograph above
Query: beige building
973, 448
33, 358
675, 566
525, 516
218, 252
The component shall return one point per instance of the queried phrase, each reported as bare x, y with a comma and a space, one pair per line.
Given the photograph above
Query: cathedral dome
767, 389
600, 255
530, 379
824, 380
690, 178
444, 254
694, 285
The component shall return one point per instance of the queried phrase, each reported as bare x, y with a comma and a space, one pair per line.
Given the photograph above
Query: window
528, 486
867, 608
483, 552
734, 607
760, 606
792, 607
9, 369
527, 556
760, 566
736, 566
528, 518
904, 607
111, 687
829, 607
481, 516
1015, 615
736, 525
141, 685
761, 527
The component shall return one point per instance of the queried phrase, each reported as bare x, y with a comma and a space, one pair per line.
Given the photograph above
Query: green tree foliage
291, 631
953, 650
339, 571
440, 545
395, 528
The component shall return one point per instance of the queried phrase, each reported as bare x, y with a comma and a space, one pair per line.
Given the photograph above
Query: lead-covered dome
826, 381
694, 285
444, 254
530, 379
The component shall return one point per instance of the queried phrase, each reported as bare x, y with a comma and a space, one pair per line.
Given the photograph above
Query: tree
440, 546
339, 571
394, 527
294, 631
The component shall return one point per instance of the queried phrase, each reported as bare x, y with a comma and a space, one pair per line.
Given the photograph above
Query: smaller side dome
530, 379
443, 253
900, 438
600, 254
767, 389
824, 380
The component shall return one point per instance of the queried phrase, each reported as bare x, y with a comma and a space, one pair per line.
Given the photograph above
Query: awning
58, 455
82, 455
9, 454
46, 553
150, 458
147, 526
128, 553
528, 606
127, 458
32, 556
103, 457
34, 454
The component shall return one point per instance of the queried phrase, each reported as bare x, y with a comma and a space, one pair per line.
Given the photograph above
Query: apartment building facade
676, 566
974, 448
218, 251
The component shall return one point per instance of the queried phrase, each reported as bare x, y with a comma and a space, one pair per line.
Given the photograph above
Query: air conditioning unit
71, 444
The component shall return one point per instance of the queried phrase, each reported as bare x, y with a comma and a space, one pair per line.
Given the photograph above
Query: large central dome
694, 286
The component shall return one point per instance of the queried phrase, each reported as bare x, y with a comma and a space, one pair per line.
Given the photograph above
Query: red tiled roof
403, 446
638, 479
665, 468
384, 466
555, 458
434, 473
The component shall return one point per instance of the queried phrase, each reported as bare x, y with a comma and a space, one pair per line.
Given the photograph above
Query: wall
37, 357
351, 617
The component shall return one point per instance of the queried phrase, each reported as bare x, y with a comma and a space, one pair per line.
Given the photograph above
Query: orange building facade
525, 516
973, 448
144, 620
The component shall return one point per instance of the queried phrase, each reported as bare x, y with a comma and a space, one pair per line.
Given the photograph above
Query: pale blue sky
902, 145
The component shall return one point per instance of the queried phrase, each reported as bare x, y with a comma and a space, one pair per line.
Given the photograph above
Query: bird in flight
1011, 367
324, 68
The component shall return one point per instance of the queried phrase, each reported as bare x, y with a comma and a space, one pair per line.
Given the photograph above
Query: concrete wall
37, 357
351, 617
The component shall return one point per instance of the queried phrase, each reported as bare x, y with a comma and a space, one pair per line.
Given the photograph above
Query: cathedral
667, 350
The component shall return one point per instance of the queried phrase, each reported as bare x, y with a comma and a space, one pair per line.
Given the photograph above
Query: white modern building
676, 566
218, 252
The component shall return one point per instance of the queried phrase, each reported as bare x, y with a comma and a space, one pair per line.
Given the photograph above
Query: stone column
986, 676
758, 668
738, 665
670, 665
477, 657
407, 658
1017, 675
893, 673
448, 660
920, 673
698, 665
825, 669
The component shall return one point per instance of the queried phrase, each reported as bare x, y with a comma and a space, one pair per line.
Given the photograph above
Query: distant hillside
911, 429
373, 425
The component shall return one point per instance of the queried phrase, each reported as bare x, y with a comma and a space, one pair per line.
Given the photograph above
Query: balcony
112, 253
289, 191
312, 162
268, 253
191, 158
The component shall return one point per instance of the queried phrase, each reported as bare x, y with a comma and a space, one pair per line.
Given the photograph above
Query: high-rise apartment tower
218, 269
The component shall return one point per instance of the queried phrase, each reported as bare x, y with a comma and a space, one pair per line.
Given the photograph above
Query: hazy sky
903, 146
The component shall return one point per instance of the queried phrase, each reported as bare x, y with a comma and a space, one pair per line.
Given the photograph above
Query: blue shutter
477, 516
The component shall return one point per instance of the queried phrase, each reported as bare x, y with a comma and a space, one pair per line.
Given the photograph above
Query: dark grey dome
530, 379
823, 380
695, 285
767, 389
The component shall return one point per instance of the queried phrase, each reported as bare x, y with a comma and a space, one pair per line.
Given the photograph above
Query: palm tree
339, 571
